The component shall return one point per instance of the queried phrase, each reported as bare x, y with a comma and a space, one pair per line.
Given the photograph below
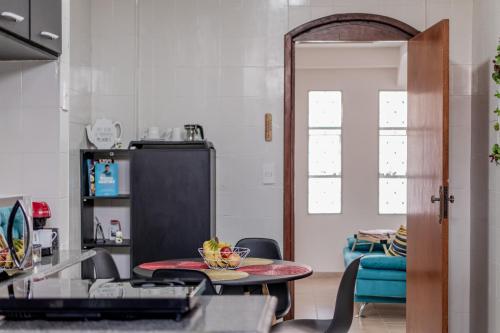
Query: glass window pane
393, 109
392, 195
324, 152
324, 195
325, 109
392, 152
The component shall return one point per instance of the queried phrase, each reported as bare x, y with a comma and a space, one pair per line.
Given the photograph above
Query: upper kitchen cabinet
14, 17
30, 29
46, 24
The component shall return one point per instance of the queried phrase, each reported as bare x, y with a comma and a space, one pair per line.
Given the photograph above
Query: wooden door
427, 270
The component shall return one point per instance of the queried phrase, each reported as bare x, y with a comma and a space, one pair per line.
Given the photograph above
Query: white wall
220, 63
320, 238
79, 104
33, 161
485, 227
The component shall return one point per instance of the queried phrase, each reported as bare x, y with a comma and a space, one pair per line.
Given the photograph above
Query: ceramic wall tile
322, 3
11, 173
10, 129
40, 174
298, 16
460, 79
461, 33
10, 84
40, 84
460, 108
294, 3
43, 126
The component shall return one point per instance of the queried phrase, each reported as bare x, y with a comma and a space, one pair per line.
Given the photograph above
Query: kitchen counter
215, 314
50, 265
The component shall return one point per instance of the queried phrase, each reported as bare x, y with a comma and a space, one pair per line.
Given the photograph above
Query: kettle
16, 254
194, 132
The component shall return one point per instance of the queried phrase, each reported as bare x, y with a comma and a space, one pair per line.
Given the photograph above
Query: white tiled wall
485, 225
79, 104
33, 161
220, 63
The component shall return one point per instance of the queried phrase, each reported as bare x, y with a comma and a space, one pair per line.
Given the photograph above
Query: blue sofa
381, 278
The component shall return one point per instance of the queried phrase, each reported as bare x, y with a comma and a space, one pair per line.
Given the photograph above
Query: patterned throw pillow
398, 245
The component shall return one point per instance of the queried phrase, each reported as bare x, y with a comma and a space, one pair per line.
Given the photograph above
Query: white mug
175, 134
152, 132
44, 237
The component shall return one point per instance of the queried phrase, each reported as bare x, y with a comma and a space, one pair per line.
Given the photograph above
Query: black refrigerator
172, 199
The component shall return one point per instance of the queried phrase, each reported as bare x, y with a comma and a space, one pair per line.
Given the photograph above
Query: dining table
252, 271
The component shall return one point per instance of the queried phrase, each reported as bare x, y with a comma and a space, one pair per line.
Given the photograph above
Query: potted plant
495, 150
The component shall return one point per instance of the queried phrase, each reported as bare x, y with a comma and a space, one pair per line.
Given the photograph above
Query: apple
234, 260
225, 252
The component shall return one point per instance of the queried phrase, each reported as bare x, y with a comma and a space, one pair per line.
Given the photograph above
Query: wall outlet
268, 174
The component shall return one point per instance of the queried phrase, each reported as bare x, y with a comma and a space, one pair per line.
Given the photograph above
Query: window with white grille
392, 152
325, 152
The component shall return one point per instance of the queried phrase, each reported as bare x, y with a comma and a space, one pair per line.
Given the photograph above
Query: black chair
344, 309
100, 266
268, 249
188, 277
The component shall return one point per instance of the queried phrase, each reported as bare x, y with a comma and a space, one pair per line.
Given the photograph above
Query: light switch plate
268, 174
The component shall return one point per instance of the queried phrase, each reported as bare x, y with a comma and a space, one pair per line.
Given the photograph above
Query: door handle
13, 16
49, 35
443, 200
435, 199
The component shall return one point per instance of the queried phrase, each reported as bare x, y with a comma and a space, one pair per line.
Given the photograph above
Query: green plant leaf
497, 111
497, 95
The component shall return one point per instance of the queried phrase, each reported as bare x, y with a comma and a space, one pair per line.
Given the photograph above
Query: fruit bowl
220, 260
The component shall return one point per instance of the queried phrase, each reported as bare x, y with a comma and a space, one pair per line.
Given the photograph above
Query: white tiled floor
315, 298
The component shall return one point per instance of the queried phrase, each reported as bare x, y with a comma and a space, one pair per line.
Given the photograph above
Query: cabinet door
46, 23
14, 17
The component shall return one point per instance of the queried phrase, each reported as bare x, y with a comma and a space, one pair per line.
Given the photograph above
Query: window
325, 160
392, 152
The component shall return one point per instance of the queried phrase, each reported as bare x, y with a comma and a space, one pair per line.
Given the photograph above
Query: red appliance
41, 212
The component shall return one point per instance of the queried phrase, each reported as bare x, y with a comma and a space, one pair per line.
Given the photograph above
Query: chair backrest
188, 276
261, 247
270, 249
103, 265
344, 306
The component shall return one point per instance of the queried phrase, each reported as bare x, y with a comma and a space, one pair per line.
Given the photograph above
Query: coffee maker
44, 237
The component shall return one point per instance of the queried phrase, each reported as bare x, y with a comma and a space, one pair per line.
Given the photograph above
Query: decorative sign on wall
495, 150
105, 134
269, 127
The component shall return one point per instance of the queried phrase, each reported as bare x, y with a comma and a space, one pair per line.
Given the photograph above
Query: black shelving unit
90, 244
116, 197
88, 203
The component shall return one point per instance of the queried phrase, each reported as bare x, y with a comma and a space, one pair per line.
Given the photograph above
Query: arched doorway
428, 71
337, 27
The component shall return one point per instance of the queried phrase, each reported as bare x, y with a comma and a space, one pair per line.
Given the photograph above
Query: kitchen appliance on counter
41, 213
16, 233
194, 132
46, 238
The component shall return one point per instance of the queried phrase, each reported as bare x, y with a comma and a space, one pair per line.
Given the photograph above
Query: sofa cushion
362, 245
398, 245
381, 274
380, 288
382, 262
